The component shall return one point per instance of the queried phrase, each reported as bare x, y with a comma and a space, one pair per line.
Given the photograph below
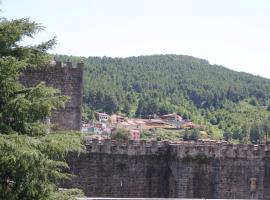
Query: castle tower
69, 80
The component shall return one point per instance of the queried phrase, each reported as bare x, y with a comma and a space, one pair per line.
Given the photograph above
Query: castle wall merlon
222, 151
130, 147
180, 150
60, 64
68, 64
80, 65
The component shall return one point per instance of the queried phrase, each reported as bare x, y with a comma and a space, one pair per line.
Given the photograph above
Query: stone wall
186, 170
69, 80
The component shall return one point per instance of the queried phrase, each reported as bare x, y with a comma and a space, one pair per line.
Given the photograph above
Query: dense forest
227, 104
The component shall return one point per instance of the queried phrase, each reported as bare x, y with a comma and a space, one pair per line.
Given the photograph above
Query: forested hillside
226, 103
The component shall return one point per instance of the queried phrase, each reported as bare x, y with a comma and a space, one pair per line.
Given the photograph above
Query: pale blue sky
233, 33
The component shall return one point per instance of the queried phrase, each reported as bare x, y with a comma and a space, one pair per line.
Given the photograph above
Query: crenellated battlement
69, 80
59, 64
204, 169
179, 149
130, 147
221, 150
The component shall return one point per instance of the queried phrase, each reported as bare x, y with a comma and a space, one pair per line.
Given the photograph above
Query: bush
120, 134
192, 135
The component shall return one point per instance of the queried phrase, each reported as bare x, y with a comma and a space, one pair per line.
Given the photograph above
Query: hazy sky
233, 33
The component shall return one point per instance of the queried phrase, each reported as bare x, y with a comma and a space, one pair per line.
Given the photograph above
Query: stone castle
69, 80
175, 170
140, 169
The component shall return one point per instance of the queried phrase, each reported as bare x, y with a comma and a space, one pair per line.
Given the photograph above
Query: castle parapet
221, 151
60, 64
130, 147
179, 150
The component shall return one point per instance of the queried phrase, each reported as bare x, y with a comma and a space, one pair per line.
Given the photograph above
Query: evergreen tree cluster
32, 162
221, 100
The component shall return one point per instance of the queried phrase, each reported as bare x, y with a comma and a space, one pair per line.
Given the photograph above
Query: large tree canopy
31, 161
23, 109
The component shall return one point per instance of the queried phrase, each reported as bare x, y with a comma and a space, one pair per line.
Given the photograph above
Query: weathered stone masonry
69, 80
187, 170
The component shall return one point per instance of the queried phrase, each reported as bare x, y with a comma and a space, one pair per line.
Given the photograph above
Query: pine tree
31, 162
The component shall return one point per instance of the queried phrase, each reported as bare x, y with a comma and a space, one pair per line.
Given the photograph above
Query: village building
172, 117
189, 124
134, 134
85, 127
155, 122
117, 119
134, 126
97, 127
102, 117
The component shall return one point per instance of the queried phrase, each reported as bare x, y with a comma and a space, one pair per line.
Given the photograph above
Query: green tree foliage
31, 162
160, 134
70, 194
220, 100
30, 167
255, 134
23, 109
120, 134
191, 135
253, 101
268, 108
265, 127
